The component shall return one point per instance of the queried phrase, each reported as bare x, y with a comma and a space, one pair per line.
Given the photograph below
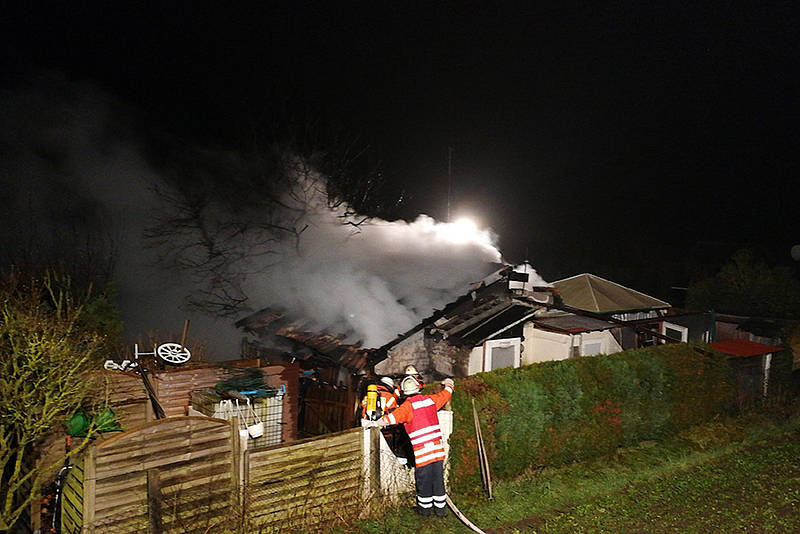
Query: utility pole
449, 178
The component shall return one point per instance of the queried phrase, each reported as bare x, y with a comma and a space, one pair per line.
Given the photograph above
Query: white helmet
410, 370
388, 382
409, 385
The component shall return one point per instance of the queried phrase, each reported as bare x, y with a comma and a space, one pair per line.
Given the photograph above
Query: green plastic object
107, 421
78, 424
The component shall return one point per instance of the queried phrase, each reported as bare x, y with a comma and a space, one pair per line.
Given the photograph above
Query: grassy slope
723, 477
756, 489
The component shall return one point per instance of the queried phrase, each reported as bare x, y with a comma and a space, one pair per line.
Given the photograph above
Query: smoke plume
76, 181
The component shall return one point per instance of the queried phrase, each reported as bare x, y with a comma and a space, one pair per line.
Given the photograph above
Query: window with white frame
592, 347
501, 353
674, 331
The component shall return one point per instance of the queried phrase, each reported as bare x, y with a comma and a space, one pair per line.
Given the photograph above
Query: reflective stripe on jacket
418, 415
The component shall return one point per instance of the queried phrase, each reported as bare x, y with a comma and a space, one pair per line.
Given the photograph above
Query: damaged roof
592, 293
490, 307
319, 348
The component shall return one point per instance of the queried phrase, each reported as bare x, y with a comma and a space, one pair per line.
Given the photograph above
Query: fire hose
462, 517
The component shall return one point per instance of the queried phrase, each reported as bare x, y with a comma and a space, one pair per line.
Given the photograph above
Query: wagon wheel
173, 353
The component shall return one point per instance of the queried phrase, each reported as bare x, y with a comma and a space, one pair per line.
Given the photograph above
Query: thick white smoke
67, 163
377, 280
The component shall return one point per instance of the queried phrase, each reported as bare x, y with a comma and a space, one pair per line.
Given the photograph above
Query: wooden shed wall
126, 394
327, 409
174, 387
287, 374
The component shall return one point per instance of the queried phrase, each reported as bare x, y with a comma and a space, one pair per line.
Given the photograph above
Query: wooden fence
72, 500
172, 475
304, 484
191, 474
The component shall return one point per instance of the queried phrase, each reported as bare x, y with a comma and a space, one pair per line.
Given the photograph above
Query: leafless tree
228, 216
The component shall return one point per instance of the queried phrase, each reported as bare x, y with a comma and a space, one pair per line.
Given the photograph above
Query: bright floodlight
463, 231
465, 228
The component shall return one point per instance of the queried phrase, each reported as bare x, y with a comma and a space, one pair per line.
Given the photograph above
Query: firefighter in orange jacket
418, 415
386, 401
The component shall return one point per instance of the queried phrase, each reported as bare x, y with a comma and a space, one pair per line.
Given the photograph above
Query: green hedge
553, 413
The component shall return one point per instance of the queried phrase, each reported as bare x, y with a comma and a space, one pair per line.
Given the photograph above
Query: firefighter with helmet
418, 416
380, 399
410, 370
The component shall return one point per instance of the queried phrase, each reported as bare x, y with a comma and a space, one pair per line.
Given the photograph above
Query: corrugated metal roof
592, 293
473, 315
491, 324
743, 347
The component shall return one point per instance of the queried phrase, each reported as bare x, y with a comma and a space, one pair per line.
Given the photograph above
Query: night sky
620, 139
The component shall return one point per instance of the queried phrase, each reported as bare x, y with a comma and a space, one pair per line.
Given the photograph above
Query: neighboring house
760, 329
602, 317
768, 330
592, 293
751, 363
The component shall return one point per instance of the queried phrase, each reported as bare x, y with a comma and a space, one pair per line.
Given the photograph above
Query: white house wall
446, 360
475, 364
608, 345
543, 346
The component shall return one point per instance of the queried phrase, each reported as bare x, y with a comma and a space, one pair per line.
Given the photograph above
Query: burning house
479, 331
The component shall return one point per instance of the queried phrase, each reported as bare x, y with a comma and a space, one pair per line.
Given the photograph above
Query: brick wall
433, 358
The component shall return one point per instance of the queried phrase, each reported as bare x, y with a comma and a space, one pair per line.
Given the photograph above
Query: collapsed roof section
315, 348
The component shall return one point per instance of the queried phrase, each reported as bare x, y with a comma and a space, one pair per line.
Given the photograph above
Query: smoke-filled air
212, 236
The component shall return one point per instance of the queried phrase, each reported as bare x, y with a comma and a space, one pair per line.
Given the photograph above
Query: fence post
154, 525
238, 474
375, 461
89, 478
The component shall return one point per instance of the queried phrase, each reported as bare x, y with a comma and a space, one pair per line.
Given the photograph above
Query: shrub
47, 344
553, 413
